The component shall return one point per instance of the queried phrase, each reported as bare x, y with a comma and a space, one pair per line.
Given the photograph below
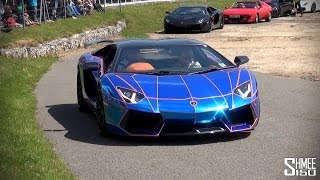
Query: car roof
156, 42
205, 6
249, 1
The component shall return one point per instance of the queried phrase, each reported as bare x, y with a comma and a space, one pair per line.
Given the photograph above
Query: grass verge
24, 152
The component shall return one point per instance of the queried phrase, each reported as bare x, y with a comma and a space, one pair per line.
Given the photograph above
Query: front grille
182, 27
137, 122
174, 128
239, 116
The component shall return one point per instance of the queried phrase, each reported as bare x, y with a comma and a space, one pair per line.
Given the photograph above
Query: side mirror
167, 12
238, 60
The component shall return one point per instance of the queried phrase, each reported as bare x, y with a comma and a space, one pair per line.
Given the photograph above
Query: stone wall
64, 44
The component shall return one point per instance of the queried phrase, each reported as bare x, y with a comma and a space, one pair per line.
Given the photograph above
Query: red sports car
247, 12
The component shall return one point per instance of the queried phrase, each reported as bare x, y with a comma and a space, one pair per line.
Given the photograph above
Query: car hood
183, 93
239, 11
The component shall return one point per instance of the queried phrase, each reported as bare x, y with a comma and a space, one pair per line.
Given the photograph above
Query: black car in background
193, 18
280, 7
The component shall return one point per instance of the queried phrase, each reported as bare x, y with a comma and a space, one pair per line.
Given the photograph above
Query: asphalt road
289, 127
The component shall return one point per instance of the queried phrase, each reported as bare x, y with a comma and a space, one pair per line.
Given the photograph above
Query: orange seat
139, 66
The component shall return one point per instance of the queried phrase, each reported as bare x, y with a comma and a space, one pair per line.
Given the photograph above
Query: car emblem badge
193, 103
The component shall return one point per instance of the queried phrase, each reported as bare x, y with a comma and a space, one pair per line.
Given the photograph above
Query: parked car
310, 5
247, 12
158, 87
280, 7
193, 18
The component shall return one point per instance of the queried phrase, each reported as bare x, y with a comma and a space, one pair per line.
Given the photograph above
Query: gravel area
287, 46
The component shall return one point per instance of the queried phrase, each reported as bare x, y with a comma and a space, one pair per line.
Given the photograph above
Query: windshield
270, 1
244, 5
189, 10
173, 59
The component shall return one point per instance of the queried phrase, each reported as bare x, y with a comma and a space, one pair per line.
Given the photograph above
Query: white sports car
310, 5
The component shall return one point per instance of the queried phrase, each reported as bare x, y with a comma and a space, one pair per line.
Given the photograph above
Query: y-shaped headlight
130, 96
244, 90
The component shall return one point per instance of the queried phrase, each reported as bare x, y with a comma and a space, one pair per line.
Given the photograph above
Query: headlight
244, 90
130, 96
201, 21
167, 20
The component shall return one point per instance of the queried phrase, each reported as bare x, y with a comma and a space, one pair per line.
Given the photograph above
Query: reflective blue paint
239, 101
170, 95
147, 82
220, 79
200, 86
142, 105
178, 106
211, 104
114, 113
172, 86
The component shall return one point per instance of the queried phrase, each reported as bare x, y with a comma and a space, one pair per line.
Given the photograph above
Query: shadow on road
83, 127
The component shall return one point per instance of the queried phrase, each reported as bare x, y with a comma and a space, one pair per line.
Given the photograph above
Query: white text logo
300, 166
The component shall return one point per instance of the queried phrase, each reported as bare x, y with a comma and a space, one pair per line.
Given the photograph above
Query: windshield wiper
163, 72
158, 72
210, 70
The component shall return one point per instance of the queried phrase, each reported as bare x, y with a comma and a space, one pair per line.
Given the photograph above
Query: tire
207, 30
313, 7
278, 13
101, 116
166, 31
221, 23
268, 19
81, 101
257, 19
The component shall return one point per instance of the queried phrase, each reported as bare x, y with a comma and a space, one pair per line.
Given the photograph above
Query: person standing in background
32, 10
297, 5
2, 3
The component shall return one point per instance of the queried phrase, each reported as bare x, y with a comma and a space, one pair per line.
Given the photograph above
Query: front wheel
278, 13
208, 29
81, 101
268, 19
100, 113
221, 23
257, 18
167, 31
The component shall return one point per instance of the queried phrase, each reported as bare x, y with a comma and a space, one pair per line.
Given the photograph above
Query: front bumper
186, 27
137, 123
239, 19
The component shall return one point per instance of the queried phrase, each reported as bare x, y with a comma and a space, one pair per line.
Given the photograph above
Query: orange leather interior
139, 66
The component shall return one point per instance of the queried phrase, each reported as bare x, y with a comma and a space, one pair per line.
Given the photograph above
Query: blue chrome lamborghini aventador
157, 87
